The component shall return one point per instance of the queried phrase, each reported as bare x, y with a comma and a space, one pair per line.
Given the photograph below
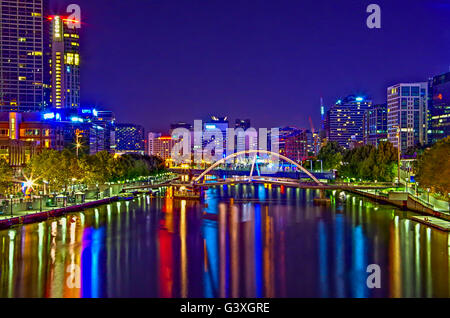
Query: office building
345, 120
439, 108
23, 40
64, 64
375, 125
130, 138
407, 108
161, 146
213, 128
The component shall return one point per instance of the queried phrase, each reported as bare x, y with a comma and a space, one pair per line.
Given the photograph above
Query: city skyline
243, 61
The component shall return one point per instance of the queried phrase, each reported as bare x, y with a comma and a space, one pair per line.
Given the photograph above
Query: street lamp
11, 204
398, 151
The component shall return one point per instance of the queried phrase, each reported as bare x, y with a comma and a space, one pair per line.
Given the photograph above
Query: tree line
62, 169
367, 162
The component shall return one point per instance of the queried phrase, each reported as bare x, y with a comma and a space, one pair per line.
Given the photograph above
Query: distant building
130, 138
345, 120
64, 64
245, 138
375, 125
296, 146
22, 42
152, 136
24, 134
439, 108
161, 146
211, 127
407, 109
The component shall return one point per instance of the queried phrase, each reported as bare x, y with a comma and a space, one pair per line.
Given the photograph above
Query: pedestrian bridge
315, 183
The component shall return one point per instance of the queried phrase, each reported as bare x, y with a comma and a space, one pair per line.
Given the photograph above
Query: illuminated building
212, 127
130, 138
24, 134
439, 108
375, 125
246, 138
64, 64
160, 146
103, 131
296, 145
345, 120
152, 136
22, 43
407, 110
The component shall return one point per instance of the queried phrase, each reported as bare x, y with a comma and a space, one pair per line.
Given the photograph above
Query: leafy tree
6, 175
331, 155
433, 168
370, 163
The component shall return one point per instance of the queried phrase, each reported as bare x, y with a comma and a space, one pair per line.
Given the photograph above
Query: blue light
86, 111
58, 116
359, 99
49, 115
210, 126
77, 119
339, 102
95, 112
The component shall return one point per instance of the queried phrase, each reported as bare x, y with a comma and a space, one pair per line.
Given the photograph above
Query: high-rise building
103, 132
161, 146
64, 64
152, 136
296, 145
407, 105
130, 138
345, 120
439, 108
212, 127
375, 125
22, 42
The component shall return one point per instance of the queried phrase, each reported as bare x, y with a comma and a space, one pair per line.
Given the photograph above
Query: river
240, 241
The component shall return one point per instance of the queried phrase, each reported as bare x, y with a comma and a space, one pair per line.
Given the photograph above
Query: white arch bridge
199, 181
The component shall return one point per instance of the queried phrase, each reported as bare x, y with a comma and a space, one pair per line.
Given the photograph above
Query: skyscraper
64, 64
22, 42
130, 138
439, 108
407, 113
345, 120
375, 125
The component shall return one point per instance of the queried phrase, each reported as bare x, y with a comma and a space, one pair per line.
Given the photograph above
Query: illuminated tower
322, 113
64, 64
22, 43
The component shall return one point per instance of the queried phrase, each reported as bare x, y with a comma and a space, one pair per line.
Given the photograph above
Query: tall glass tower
64, 64
22, 42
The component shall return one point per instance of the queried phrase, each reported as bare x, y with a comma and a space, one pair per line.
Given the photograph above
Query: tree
6, 175
370, 163
331, 155
433, 168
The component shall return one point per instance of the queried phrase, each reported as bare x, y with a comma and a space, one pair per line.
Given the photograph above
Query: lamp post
398, 152
11, 204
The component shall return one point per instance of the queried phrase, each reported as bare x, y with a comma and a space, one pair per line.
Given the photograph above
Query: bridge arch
236, 154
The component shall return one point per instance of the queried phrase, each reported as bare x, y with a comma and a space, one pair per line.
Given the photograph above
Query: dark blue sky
154, 62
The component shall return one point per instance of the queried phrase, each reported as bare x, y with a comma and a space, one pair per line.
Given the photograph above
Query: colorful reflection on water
242, 241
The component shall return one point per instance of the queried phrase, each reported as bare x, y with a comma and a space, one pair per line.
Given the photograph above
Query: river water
240, 241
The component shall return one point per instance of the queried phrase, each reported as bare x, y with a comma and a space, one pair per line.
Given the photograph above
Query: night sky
154, 62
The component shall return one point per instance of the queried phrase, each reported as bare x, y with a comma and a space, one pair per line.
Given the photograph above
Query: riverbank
405, 201
44, 215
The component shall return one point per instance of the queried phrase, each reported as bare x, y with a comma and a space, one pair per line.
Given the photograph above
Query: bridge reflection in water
243, 241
